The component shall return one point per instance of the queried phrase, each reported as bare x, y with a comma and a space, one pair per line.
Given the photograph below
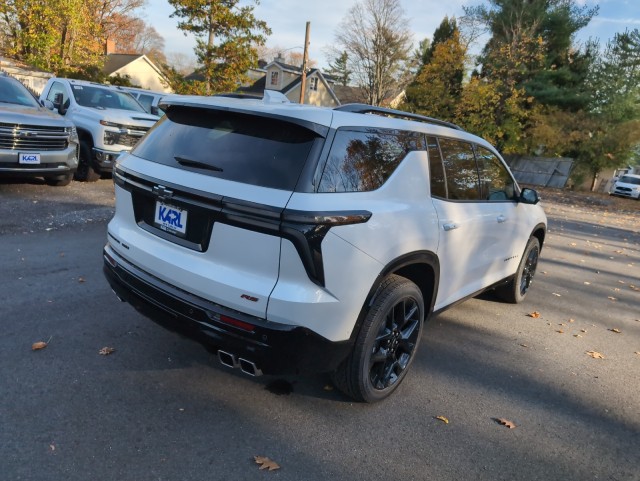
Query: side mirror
47, 104
529, 196
58, 103
154, 110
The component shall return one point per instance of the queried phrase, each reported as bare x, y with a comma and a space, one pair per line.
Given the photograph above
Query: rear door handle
501, 219
450, 226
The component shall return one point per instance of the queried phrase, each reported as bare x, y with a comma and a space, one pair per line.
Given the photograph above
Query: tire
86, 172
386, 344
59, 180
516, 290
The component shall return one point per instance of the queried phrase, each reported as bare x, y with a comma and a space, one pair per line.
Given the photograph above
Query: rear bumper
273, 347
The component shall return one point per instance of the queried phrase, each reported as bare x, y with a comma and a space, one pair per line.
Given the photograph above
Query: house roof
349, 95
259, 85
115, 61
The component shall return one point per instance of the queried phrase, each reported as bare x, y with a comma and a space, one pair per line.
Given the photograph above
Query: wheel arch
539, 232
420, 267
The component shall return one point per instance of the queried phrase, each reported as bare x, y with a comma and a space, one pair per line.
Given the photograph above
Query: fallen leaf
505, 422
556, 294
524, 345
105, 351
583, 330
577, 335
616, 330
52, 447
81, 279
587, 283
266, 463
637, 352
328, 387
595, 354
534, 314
572, 320
612, 298
560, 331
38, 345
443, 419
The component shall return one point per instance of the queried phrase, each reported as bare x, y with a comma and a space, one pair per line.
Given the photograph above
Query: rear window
240, 147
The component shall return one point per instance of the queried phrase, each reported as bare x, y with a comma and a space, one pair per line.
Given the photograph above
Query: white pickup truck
108, 121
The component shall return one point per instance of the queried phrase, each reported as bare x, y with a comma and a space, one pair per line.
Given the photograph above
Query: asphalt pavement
160, 407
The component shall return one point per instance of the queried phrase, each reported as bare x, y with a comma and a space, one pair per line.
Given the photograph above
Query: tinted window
363, 160
102, 98
146, 101
461, 170
57, 88
627, 179
239, 147
436, 170
495, 182
13, 92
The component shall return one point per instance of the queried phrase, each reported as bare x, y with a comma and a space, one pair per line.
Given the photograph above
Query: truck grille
32, 137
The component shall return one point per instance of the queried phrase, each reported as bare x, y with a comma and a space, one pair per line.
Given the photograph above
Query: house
33, 78
138, 67
287, 79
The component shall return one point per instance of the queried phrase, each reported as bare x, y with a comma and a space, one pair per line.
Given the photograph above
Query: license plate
26, 158
171, 218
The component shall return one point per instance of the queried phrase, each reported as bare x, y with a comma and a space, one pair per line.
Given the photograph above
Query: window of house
461, 169
274, 78
495, 182
313, 83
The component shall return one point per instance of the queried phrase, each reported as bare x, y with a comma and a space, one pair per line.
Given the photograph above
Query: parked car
627, 186
147, 98
108, 121
34, 142
295, 239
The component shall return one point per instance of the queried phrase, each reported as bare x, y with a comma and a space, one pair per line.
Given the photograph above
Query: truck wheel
386, 344
516, 290
85, 171
59, 180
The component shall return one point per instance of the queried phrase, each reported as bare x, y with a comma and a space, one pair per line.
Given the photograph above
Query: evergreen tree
339, 68
226, 39
436, 88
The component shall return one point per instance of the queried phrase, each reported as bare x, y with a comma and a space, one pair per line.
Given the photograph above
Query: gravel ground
32, 206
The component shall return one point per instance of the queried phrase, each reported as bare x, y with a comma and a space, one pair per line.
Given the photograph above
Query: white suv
295, 239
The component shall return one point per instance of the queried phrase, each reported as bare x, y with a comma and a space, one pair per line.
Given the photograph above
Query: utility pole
305, 60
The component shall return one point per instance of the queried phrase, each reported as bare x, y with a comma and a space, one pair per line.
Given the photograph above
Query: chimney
109, 46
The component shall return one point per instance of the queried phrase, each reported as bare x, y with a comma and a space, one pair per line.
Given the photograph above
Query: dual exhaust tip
230, 360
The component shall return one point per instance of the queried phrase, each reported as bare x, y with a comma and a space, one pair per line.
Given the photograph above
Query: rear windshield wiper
197, 164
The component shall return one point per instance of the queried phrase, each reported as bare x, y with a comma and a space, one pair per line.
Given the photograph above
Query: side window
57, 88
495, 182
363, 160
460, 169
436, 169
146, 101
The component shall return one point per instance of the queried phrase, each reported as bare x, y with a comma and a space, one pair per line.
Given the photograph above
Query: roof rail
370, 109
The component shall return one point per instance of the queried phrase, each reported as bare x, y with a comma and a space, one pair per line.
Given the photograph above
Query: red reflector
236, 323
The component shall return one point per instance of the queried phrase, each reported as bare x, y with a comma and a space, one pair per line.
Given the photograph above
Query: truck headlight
111, 138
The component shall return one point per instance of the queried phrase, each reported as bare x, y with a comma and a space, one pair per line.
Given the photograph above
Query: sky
287, 20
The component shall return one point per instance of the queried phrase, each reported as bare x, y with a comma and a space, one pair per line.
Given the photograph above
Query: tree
436, 90
375, 36
65, 36
339, 68
226, 36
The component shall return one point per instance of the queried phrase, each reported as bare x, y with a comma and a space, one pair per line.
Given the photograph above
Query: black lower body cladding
274, 348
